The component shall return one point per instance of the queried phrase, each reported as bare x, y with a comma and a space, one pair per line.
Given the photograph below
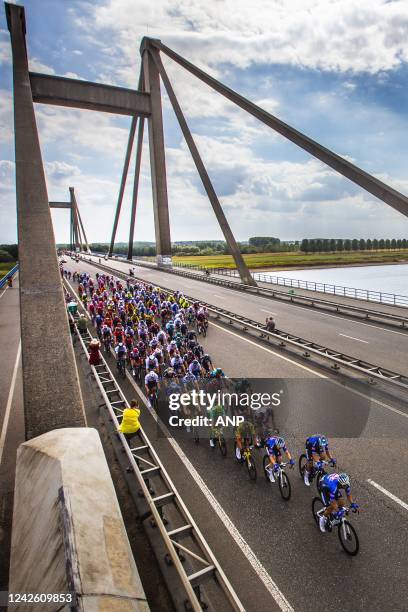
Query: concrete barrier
68, 533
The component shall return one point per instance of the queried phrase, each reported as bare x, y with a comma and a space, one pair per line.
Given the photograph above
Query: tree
340, 244
404, 243
354, 244
375, 244
381, 243
387, 243
393, 243
399, 243
333, 245
305, 247
5, 256
261, 241
362, 244
369, 244
347, 245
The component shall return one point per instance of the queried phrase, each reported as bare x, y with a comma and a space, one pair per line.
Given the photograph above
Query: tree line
325, 245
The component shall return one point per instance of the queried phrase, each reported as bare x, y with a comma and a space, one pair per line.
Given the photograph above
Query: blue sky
336, 70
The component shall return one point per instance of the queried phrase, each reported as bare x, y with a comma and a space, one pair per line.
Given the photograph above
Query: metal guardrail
367, 295
202, 566
5, 278
367, 314
306, 347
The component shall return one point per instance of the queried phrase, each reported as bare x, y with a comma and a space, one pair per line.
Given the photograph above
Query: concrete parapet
68, 532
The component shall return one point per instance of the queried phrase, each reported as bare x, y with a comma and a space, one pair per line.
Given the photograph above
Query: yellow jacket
130, 422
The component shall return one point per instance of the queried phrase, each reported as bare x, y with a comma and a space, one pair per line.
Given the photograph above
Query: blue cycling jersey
314, 442
270, 444
331, 483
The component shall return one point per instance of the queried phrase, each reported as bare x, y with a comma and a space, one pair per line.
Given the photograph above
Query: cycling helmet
280, 442
322, 441
169, 373
344, 480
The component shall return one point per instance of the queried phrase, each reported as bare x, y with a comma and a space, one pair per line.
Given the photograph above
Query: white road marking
268, 311
1, 294
9, 402
388, 494
251, 557
314, 372
221, 297
259, 569
317, 312
268, 350
352, 338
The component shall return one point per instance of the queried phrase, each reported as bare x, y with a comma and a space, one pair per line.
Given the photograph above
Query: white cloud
35, 65
335, 35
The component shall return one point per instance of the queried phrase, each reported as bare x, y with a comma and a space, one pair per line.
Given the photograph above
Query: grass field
5, 267
297, 260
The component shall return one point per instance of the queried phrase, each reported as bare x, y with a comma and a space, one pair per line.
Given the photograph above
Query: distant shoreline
328, 266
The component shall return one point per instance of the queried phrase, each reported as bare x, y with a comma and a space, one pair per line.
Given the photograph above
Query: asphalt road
11, 416
374, 343
307, 567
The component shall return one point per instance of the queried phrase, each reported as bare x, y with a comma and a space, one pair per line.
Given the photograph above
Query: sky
334, 69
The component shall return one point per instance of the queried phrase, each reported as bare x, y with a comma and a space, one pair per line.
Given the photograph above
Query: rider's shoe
238, 453
212, 443
270, 474
322, 524
306, 478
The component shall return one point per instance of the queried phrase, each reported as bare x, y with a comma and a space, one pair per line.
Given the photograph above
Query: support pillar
139, 146
123, 183
157, 158
52, 395
242, 268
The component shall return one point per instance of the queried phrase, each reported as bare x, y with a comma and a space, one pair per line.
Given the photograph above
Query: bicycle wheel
284, 486
251, 467
204, 331
348, 538
302, 465
222, 445
265, 463
319, 476
317, 505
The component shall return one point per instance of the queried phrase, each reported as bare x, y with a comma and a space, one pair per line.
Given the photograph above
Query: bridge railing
10, 273
367, 295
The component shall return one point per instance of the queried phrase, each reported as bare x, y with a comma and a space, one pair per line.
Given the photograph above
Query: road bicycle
220, 441
280, 475
249, 460
121, 366
202, 327
107, 345
347, 534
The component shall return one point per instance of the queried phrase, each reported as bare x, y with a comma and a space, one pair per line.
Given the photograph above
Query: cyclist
151, 385
275, 446
120, 351
207, 363
195, 368
317, 449
330, 488
244, 437
215, 413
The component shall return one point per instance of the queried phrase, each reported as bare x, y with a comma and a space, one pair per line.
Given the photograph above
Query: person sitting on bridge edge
130, 424
81, 324
270, 324
94, 355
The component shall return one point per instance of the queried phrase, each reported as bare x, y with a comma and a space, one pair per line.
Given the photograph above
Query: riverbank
299, 261
6, 267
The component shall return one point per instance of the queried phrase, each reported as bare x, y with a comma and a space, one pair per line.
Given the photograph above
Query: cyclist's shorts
310, 450
326, 495
151, 385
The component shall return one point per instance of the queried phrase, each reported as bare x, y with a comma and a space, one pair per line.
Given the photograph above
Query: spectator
130, 422
94, 355
72, 307
270, 324
82, 324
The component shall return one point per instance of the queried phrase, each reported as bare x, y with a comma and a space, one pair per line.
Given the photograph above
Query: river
387, 279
